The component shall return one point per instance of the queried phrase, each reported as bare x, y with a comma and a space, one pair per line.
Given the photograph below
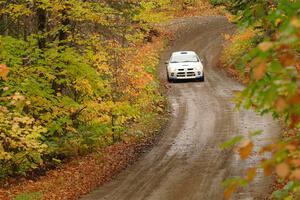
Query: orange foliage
245, 149
251, 174
4, 70
229, 191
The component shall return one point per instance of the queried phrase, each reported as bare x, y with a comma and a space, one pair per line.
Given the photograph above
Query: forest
67, 85
79, 75
75, 76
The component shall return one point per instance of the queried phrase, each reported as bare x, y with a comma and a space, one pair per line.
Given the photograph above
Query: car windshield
184, 58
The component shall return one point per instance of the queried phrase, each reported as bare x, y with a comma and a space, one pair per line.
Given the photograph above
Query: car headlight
172, 70
199, 68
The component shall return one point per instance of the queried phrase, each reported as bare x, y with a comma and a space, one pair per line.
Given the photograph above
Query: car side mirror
166, 62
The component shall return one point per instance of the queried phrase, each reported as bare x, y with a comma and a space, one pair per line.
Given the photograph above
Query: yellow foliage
20, 133
239, 44
84, 86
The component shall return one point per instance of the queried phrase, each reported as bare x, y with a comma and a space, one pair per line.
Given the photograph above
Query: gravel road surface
187, 163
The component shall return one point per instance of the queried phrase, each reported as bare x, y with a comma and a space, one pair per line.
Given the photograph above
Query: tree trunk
63, 35
5, 20
42, 22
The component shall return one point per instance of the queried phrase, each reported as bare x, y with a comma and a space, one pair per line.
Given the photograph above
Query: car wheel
201, 79
169, 80
168, 77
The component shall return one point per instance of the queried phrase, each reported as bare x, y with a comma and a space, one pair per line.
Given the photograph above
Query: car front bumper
178, 75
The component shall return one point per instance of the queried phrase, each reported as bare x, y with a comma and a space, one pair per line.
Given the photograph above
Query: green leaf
231, 142
255, 133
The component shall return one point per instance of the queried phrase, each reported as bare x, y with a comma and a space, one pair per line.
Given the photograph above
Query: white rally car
185, 65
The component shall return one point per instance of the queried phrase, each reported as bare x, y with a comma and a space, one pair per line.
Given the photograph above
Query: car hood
185, 65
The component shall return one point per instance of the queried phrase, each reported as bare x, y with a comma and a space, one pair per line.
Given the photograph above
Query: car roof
183, 53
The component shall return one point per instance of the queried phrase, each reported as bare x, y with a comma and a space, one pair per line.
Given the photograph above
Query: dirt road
187, 163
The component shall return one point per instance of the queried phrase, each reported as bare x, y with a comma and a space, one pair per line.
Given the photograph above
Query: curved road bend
187, 163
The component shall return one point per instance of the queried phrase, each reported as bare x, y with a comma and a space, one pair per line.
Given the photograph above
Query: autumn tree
271, 63
67, 85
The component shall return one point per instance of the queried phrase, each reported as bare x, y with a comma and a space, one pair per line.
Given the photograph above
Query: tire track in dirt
187, 163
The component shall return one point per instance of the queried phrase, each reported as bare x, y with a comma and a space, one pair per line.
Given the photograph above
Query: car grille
186, 73
181, 74
189, 74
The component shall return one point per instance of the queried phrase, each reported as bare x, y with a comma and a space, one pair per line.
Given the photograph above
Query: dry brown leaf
298, 65
287, 59
294, 120
251, 174
229, 17
227, 36
260, 71
280, 104
295, 99
296, 162
256, 61
296, 174
291, 147
295, 22
265, 46
245, 149
282, 170
267, 169
267, 148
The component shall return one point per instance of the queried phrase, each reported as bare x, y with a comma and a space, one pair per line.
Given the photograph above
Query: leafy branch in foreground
272, 65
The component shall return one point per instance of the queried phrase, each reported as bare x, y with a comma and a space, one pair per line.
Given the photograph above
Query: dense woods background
72, 78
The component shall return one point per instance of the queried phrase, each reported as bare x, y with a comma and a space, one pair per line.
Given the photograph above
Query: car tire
168, 77
201, 79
